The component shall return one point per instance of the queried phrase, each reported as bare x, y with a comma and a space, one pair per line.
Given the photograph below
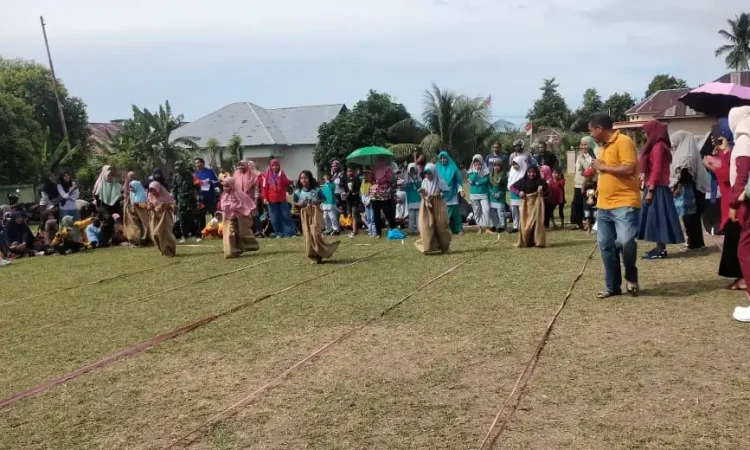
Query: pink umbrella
716, 99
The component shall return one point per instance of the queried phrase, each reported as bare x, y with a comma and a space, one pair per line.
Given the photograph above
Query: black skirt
729, 267
576, 208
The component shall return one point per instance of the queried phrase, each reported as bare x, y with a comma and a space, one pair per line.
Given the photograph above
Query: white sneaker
4, 262
198, 240
742, 314
39, 253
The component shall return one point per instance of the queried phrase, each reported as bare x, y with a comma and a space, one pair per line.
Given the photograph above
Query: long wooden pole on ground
54, 82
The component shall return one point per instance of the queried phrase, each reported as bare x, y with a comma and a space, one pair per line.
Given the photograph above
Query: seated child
345, 220
214, 228
94, 233
118, 235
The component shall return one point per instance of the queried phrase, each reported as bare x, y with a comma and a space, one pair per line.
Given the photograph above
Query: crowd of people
619, 194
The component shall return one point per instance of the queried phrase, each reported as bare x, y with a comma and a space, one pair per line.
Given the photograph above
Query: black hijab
66, 185
528, 185
50, 189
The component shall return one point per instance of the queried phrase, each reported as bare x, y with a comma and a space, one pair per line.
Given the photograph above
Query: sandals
736, 286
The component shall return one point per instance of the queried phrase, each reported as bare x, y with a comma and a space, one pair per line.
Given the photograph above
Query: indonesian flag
529, 129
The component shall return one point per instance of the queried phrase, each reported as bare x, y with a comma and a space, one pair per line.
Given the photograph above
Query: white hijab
435, 185
739, 123
685, 155
516, 174
483, 169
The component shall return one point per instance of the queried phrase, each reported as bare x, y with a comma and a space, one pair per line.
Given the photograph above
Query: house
664, 105
100, 132
288, 134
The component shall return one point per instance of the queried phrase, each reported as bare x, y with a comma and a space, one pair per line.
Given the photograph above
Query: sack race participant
434, 231
135, 212
161, 204
237, 215
308, 199
531, 189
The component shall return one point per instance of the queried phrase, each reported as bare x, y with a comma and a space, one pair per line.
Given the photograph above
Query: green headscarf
449, 173
499, 180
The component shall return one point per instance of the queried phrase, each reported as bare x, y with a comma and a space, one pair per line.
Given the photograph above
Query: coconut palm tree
450, 121
738, 51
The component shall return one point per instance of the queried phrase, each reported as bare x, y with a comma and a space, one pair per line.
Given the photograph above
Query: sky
203, 55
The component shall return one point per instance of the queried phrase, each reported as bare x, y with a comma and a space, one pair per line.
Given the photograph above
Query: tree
215, 155
32, 83
738, 51
550, 110
591, 104
617, 104
450, 121
368, 123
664, 81
20, 138
234, 147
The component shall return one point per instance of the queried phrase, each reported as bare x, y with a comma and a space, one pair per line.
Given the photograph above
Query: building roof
679, 109
658, 101
742, 78
258, 126
99, 132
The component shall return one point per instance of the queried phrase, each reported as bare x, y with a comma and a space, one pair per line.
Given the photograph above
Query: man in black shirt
545, 157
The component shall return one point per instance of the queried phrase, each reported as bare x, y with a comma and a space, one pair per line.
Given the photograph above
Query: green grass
666, 370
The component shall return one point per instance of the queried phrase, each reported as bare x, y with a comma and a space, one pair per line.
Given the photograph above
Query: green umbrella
367, 155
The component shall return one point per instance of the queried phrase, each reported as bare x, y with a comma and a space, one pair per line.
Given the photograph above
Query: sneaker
198, 240
655, 254
39, 253
351, 235
4, 262
742, 314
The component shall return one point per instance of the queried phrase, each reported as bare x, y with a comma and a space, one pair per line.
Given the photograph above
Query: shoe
39, 253
4, 262
655, 254
182, 241
742, 314
351, 235
198, 240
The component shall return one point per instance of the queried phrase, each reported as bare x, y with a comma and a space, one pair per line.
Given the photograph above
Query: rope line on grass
528, 370
230, 410
141, 346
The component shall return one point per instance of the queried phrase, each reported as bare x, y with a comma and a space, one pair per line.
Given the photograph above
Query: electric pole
54, 83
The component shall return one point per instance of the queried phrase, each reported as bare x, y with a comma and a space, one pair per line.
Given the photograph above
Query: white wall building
288, 134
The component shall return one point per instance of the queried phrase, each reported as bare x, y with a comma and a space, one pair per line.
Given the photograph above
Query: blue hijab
449, 173
725, 131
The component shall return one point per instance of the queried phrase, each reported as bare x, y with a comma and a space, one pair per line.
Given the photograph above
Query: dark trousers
693, 223
577, 208
209, 207
74, 247
380, 208
187, 222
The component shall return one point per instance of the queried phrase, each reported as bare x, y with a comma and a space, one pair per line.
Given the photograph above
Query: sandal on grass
607, 294
737, 285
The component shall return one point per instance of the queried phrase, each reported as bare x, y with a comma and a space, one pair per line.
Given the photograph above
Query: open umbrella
716, 99
367, 155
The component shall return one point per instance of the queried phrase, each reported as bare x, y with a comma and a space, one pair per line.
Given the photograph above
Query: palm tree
738, 51
451, 122
215, 154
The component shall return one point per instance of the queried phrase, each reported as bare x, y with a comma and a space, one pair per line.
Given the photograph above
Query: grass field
668, 369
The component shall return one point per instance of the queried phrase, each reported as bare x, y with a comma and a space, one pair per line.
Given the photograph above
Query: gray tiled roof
258, 126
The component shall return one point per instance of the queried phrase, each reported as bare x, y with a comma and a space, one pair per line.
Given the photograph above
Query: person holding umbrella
380, 193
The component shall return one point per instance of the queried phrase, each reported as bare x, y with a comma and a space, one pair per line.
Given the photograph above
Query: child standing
308, 198
559, 182
532, 190
479, 182
365, 195
401, 206
550, 202
498, 185
517, 172
330, 212
589, 206
413, 198
162, 205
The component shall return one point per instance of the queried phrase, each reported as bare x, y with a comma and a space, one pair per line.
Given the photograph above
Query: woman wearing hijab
659, 222
159, 177
498, 186
247, 180
274, 189
338, 177
18, 236
237, 209
434, 232
135, 212
584, 160
68, 193
108, 192
161, 204
381, 195
479, 192
739, 175
532, 190
69, 238
689, 182
308, 198
518, 167
449, 173
49, 196
729, 266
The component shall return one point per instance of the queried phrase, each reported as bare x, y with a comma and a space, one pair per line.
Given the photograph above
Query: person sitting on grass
214, 227
308, 198
94, 233
69, 238
18, 237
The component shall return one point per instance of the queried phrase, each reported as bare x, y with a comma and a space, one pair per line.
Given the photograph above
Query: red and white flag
529, 129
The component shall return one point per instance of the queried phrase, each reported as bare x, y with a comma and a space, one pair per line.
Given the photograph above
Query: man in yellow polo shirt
618, 204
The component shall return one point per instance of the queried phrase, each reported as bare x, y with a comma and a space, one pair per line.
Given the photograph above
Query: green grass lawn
669, 369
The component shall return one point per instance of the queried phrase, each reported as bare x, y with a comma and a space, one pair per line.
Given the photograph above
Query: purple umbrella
716, 99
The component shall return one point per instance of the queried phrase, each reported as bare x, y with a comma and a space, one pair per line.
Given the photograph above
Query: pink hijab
234, 202
274, 178
247, 180
162, 198
546, 173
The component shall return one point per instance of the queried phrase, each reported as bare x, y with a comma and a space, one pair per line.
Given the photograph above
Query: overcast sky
202, 55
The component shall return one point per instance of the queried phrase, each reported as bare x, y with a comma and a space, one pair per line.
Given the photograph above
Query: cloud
201, 55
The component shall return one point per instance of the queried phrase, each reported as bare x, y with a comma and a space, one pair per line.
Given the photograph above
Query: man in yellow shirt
618, 204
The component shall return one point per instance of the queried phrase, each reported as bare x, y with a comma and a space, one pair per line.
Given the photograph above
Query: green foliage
664, 81
591, 104
738, 50
32, 83
215, 155
144, 143
451, 121
617, 104
550, 111
234, 148
20, 139
368, 123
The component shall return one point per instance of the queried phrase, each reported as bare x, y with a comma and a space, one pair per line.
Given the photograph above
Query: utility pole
54, 83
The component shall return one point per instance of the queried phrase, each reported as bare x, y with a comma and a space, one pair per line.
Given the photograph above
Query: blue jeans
281, 219
616, 231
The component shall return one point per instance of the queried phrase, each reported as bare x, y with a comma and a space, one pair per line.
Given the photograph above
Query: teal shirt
412, 192
479, 185
329, 190
303, 195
